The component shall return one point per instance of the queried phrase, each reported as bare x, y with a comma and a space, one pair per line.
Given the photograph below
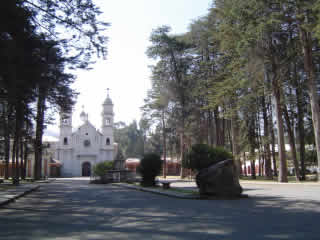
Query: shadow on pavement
66, 210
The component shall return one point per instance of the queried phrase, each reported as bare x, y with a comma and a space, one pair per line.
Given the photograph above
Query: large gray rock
219, 180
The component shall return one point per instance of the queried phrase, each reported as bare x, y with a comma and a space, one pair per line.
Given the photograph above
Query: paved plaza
73, 209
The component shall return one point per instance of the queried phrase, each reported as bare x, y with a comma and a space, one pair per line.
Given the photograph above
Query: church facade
78, 151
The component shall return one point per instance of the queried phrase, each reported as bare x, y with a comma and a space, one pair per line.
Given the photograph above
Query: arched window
65, 141
108, 141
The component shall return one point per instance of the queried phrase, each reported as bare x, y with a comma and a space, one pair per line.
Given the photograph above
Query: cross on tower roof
108, 100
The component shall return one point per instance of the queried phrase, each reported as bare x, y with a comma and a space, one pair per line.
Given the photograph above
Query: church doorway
86, 169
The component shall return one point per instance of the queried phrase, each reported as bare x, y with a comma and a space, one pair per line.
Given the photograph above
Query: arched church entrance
86, 169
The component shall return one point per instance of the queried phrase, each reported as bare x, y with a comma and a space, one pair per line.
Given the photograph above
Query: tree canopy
241, 78
39, 40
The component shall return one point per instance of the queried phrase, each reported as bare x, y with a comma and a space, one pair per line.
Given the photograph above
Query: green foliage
100, 169
78, 20
311, 158
131, 139
317, 25
202, 156
149, 168
212, 84
33, 58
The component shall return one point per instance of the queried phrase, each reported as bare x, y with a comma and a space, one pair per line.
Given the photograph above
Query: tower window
65, 121
65, 141
108, 121
108, 141
86, 143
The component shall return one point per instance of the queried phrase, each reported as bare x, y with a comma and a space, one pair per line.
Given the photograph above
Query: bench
165, 184
29, 179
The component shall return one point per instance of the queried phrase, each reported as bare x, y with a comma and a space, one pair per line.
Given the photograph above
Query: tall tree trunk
210, 129
251, 126
39, 133
217, 125
222, 136
253, 164
273, 143
260, 160
273, 151
266, 143
17, 138
263, 164
182, 147
301, 133
276, 90
229, 133
292, 143
26, 153
23, 161
281, 144
6, 145
235, 141
259, 143
164, 145
300, 123
13, 157
306, 39
244, 164
17, 153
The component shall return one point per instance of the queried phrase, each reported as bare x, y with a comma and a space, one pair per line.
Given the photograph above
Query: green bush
100, 169
311, 157
202, 156
149, 168
221, 154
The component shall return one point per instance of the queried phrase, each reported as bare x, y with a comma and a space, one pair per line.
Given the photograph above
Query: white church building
78, 151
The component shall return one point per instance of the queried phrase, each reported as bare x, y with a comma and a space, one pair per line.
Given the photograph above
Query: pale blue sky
126, 70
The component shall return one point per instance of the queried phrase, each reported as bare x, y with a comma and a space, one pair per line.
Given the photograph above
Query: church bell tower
107, 121
65, 128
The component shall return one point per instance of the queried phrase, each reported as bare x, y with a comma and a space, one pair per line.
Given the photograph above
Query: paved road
72, 209
293, 191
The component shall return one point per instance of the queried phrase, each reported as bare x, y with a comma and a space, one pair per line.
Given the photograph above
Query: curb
28, 191
15, 197
180, 195
279, 183
159, 192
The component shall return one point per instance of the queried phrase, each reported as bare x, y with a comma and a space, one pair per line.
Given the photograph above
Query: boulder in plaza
219, 180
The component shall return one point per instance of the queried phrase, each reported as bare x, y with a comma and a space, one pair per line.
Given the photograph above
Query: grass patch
5, 187
172, 189
292, 179
181, 190
258, 178
9, 183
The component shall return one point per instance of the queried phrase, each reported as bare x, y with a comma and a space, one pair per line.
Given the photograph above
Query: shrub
311, 157
198, 157
202, 156
149, 168
221, 154
100, 169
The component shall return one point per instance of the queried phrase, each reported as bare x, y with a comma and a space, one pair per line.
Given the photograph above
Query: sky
125, 71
